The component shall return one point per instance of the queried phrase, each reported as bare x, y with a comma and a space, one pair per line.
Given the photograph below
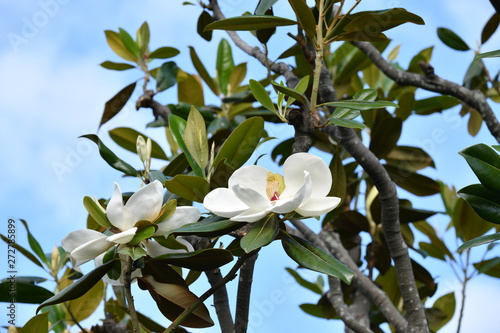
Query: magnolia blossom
253, 191
145, 204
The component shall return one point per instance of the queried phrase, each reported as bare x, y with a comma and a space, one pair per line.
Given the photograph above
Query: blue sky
54, 91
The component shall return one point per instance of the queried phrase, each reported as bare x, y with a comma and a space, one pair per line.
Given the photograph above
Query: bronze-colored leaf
116, 103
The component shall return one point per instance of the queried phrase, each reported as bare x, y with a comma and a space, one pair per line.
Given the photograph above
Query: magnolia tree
342, 97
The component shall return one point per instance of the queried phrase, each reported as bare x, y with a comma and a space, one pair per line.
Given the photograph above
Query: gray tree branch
473, 98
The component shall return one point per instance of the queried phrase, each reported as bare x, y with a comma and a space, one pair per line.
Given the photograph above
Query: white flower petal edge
85, 245
293, 171
223, 202
318, 206
182, 215
155, 250
123, 237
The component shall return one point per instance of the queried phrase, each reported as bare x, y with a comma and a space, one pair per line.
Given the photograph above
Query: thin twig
464, 286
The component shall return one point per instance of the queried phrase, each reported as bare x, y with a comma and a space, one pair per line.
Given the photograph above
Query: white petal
294, 168
154, 249
251, 215
287, 205
318, 206
76, 238
123, 237
223, 202
118, 215
91, 249
146, 203
182, 215
251, 198
252, 176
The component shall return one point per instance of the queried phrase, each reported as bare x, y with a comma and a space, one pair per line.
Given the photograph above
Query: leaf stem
128, 295
231, 275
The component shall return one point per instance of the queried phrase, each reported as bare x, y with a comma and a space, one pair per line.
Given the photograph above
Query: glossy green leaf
314, 287
300, 88
24, 292
129, 42
432, 250
385, 133
224, 64
143, 36
479, 241
261, 95
413, 182
468, 224
117, 66
209, 227
96, 212
241, 143
361, 105
442, 311
164, 53
176, 166
430, 105
126, 138
237, 76
346, 123
489, 267
451, 39
305, 17
490, 28
178, 128
485, 203
37, 324
409, 158
262, 233
22, 250
491, 54
117, 45
34, 244
202, 260
202, 71
116, 103
485, 162
86, 305
263, 35
167, 76
249, 23
192, 188
311, 257
203, 20
195, 138
110, 157
80, 286
189, 89
406, 212
292, 93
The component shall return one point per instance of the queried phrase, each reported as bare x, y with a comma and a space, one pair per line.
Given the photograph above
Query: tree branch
147, 101
473, 98
243, 296
221, 301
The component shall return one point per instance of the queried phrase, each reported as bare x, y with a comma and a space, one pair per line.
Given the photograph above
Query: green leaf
126, 138
21, 249
167, 76
362, 105
385, 133
129, 42
202, 260
491, 54
116, 103
413, 182
479, 241
489, 267
189, 89
35, 246
176, 166
485, 203
164, 53
292, 93
96, 212
203, 20
209, 227
409, 158
24, 292
441, 312
262, 233
192, 188
117, 66
195, 138
110, 157
468, 224
490, 28
202, 71
80, 286
84, 306
300, 88
305, 17
117, 45
346, 123
236, 78
263, 6
224, 64
451, 39
37, 324
249, 23
241, 143
311, 257
314, 287
178, 128
385, 20
434, 104
142, 36
261, 95
485, 162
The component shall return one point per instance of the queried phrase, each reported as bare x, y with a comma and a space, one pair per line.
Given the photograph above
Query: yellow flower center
275, 185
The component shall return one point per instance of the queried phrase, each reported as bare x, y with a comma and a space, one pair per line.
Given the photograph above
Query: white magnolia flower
253, 191
145, 204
